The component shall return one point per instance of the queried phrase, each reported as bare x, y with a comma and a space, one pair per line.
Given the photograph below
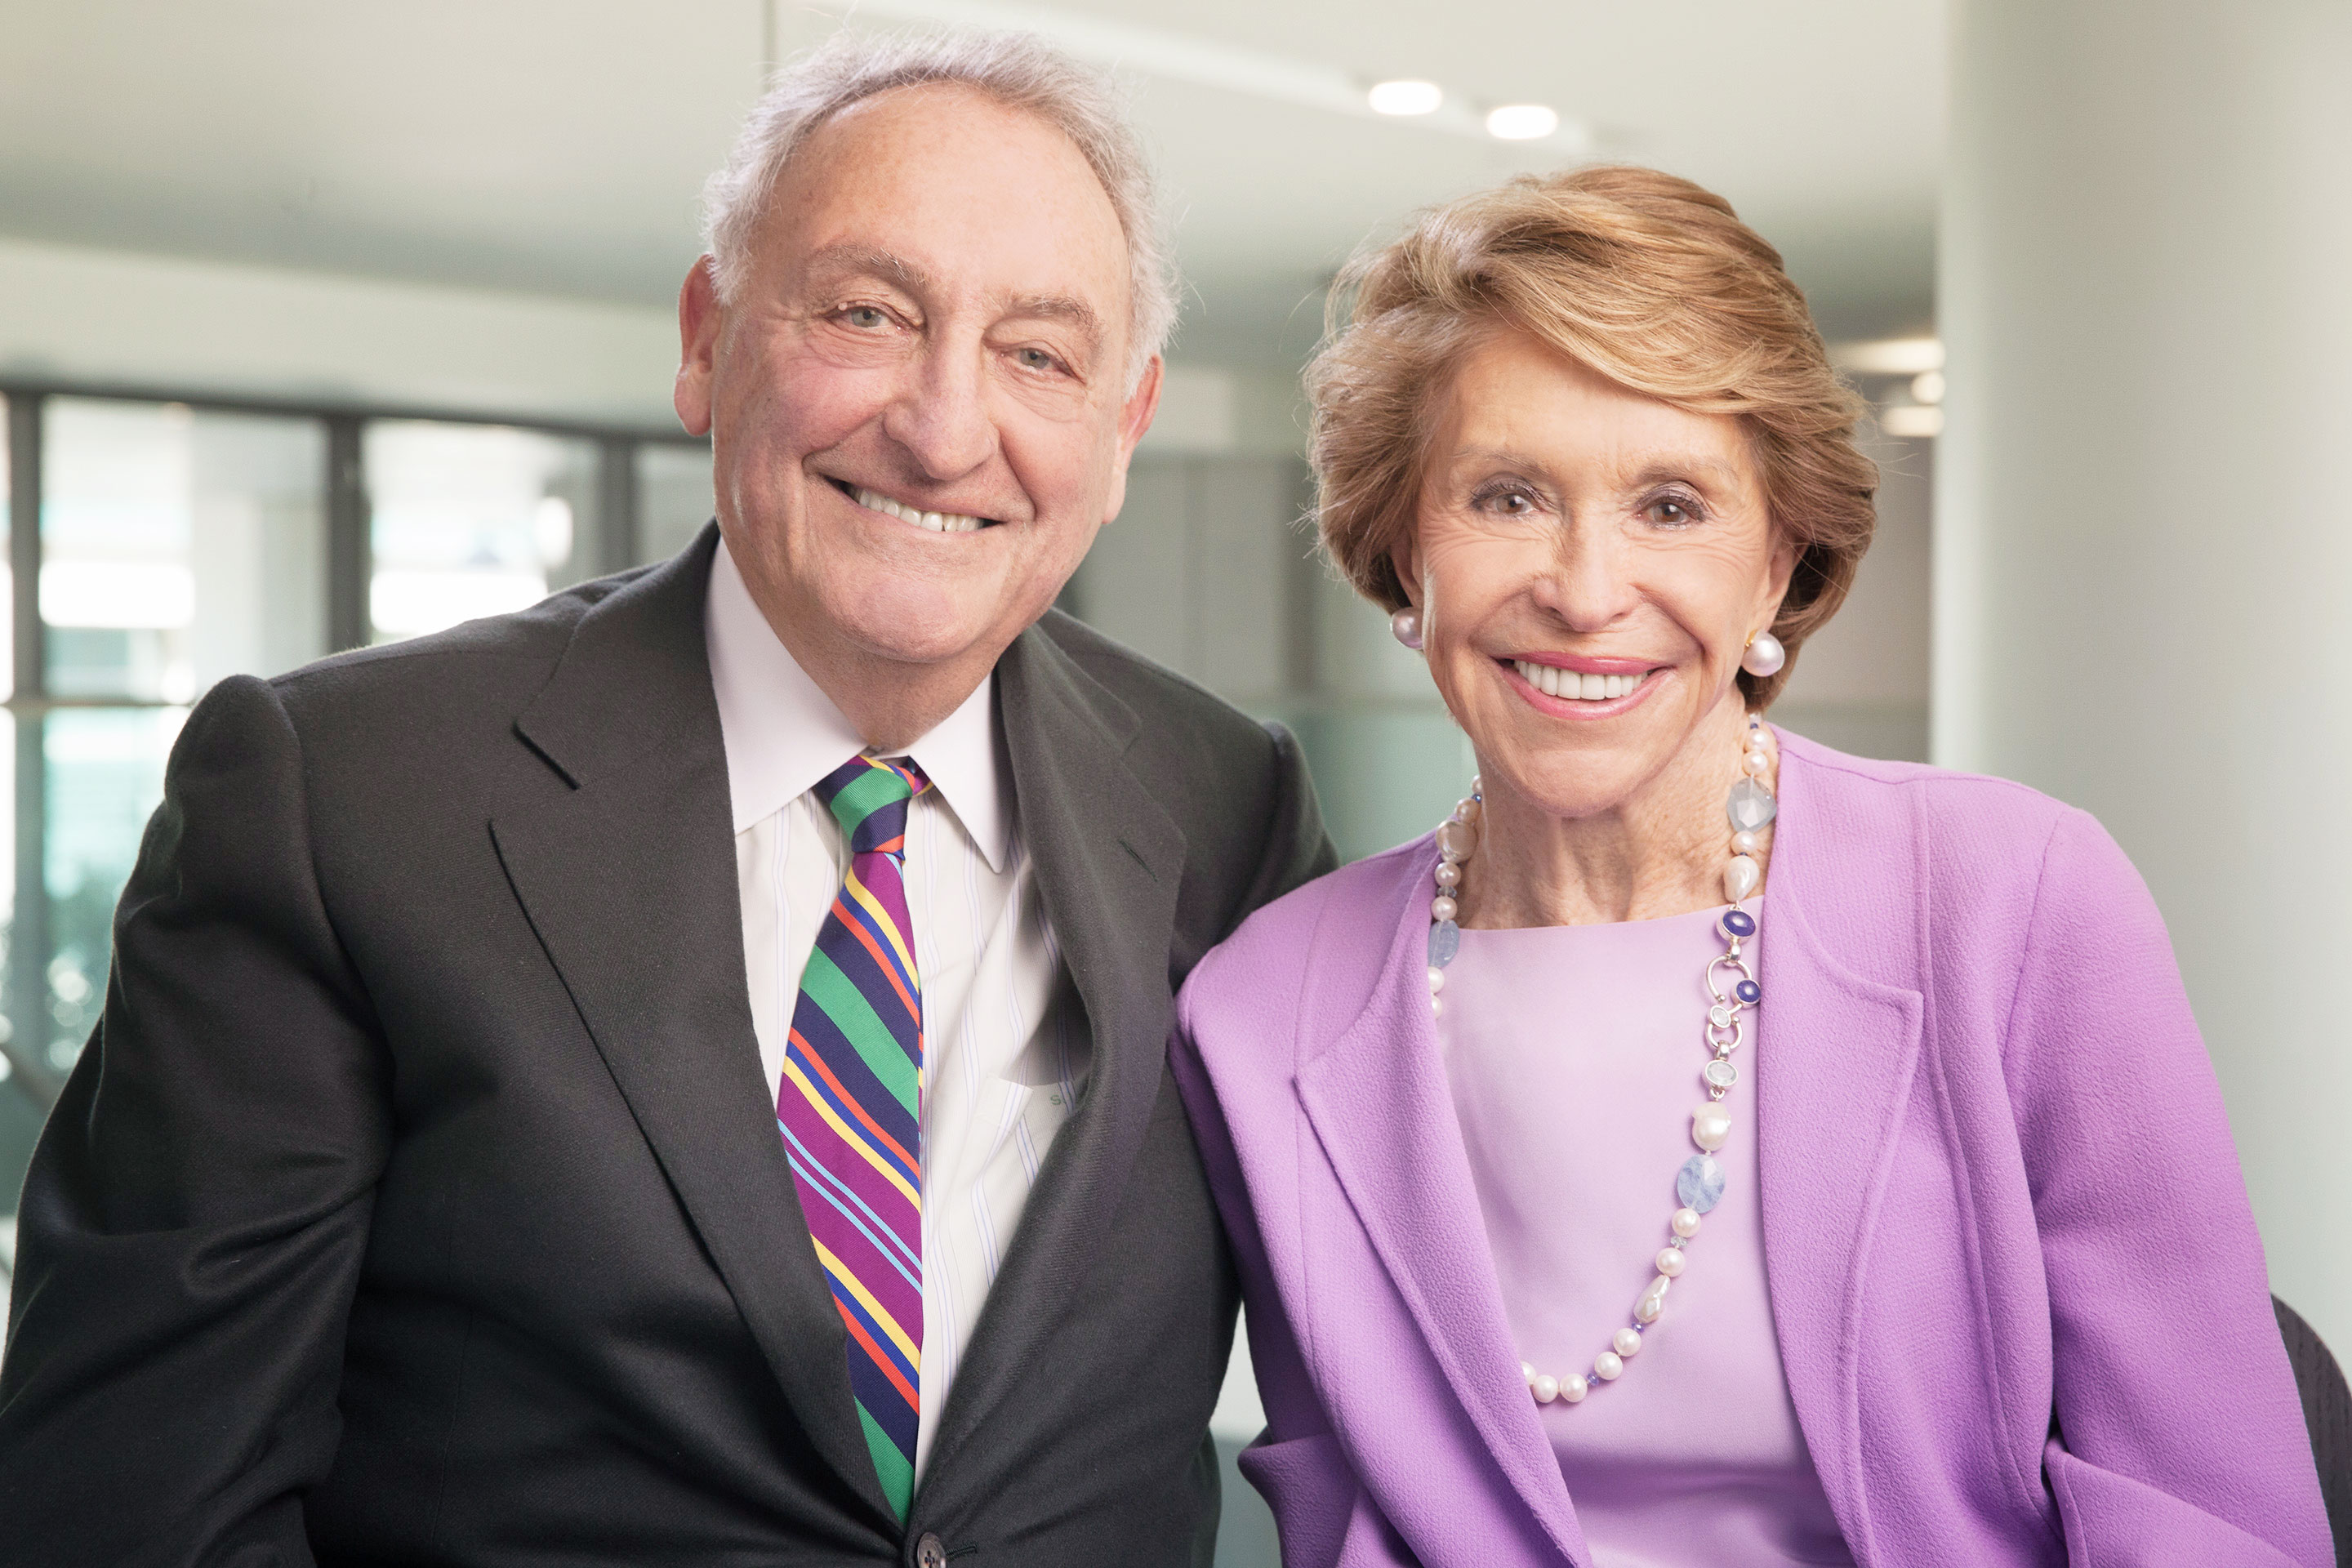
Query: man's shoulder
498, 662
1186, 736
1152, 690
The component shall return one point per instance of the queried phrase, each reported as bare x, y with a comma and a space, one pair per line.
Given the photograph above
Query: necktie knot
868, 797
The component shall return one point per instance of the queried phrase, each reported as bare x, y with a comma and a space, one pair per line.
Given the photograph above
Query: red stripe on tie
890, 1368
809, 1054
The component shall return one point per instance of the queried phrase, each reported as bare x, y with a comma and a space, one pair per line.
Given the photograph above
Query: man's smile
936, 521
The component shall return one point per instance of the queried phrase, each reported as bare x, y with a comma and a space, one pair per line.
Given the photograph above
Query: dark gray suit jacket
417, 1199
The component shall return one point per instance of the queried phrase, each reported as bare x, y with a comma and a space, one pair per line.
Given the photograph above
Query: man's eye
1037, 359
865, 317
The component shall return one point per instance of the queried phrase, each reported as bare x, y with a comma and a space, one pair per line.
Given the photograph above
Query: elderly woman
1705, 1148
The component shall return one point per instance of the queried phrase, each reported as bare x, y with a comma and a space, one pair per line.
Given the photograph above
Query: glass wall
469, 520
180, 542
673, 496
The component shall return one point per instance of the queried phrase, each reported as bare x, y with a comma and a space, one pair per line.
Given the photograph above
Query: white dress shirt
1004, 1054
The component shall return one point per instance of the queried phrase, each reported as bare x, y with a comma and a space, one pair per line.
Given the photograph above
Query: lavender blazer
2018, 1291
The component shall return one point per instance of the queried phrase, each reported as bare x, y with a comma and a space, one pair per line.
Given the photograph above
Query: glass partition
177, 547
674, 497
472, 520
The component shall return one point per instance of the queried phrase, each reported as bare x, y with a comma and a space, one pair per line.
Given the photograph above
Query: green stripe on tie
861, 798
897, 1476
854, 1015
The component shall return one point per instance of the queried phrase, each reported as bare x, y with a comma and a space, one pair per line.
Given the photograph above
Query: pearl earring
1765, 655
1406, 624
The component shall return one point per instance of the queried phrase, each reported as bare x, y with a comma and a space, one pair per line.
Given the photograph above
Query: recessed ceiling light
1521, 121
1406, 98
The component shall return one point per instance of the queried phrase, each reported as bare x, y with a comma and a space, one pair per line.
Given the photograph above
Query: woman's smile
1567, 687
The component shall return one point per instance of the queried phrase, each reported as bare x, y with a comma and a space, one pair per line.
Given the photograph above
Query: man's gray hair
1018, 70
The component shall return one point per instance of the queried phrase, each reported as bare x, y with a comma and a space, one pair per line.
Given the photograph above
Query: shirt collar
783, 734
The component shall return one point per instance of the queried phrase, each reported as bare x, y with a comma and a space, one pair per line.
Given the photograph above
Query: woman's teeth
1554, 681
937, 522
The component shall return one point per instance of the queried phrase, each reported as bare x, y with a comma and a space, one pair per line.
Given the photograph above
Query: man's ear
697, 346
1134, 419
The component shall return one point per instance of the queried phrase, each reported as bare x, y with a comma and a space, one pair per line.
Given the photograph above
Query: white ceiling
560, 148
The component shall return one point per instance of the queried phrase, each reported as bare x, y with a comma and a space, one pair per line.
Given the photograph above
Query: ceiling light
1889, 356
1927, 386
1912, 421
1406, 98
1521, 122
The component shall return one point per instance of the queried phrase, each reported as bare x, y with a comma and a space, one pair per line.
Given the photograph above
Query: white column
2144, 553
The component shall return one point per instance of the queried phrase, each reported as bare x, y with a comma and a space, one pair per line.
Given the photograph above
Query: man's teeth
1554, 681
937, 522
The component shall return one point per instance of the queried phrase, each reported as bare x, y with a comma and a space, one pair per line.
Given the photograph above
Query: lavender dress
1574, 1054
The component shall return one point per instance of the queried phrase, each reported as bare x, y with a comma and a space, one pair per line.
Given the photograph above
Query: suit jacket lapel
630, 882
1835, 1064
1383, 1114
1108, 864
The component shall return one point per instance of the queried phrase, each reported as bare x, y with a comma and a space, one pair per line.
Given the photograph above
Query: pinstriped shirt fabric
1004, 1041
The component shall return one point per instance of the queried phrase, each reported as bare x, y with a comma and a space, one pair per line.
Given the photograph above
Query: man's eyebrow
837, 261
1056, 308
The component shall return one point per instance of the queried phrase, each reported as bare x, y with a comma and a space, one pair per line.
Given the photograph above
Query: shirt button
930, 1553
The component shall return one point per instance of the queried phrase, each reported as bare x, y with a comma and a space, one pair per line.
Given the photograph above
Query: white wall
1861, 683
2143, 547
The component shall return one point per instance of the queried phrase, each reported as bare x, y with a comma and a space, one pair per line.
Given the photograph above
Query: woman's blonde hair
1648, 280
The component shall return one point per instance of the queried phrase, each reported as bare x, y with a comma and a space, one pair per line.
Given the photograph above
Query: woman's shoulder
1871, 804
1985, 852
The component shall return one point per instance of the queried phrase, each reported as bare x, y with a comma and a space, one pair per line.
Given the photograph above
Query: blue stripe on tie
827, 1187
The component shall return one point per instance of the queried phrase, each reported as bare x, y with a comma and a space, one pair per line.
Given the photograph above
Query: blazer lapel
630, 882
1383, 1114
1835, 1064
1108, 862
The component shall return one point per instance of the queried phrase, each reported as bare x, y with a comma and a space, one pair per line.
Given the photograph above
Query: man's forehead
948, 181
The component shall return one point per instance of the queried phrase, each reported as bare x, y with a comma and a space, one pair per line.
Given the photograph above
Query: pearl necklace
1698, 1184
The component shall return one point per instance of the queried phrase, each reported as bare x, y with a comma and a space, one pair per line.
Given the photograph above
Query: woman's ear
1781, 568
1404, 559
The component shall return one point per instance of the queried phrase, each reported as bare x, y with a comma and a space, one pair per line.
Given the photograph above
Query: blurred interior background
322, 326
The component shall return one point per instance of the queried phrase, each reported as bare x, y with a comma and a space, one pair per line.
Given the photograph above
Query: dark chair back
2327, 1411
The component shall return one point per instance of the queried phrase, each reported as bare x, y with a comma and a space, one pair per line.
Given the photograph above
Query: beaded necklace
1698, 1184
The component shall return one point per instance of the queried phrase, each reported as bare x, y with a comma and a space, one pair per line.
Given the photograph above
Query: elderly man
678, 1075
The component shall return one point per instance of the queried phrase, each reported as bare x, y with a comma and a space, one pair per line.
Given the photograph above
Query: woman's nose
1590, 582
940, 418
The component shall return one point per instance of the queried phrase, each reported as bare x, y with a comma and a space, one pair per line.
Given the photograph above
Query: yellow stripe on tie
834, 1266
857, 889
849, 1135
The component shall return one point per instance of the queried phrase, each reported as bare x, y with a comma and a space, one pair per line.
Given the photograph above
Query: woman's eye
1670, 512
1511, 503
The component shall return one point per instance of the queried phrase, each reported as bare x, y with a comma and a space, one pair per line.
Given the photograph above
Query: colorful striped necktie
849, 1108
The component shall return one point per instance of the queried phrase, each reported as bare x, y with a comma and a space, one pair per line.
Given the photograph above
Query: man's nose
941, 418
